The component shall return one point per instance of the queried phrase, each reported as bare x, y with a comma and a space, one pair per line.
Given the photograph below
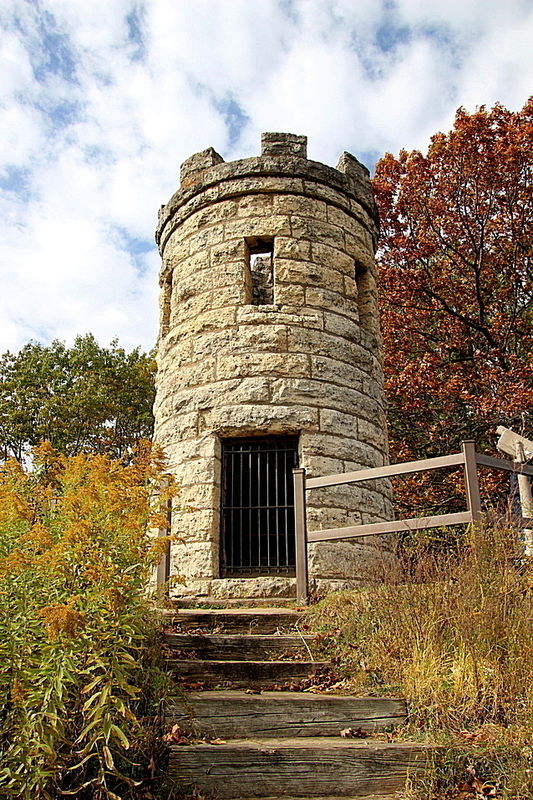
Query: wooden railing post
302, 581
473, 498
163, 567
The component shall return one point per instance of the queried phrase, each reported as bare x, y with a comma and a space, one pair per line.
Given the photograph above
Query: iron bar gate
257, 516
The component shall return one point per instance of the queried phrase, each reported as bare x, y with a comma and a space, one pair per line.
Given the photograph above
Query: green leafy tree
85, 398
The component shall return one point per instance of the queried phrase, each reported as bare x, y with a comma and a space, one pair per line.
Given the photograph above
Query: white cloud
101, 101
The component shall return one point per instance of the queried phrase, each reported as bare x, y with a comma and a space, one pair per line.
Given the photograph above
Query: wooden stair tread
243, 674
233, 713
208, 662
308, 744
239, 647
267, 638
301, 767
323, 797
236, 611
240, 602
241, 620
231, 695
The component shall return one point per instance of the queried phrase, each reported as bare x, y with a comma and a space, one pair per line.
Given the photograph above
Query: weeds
452, 632
79, 675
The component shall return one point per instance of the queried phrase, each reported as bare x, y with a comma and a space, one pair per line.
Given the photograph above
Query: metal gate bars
258, 506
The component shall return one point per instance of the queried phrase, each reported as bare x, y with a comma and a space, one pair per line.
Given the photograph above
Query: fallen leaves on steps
179, 736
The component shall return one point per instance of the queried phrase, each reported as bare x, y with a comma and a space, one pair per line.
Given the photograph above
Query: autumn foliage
456, 289
76, 674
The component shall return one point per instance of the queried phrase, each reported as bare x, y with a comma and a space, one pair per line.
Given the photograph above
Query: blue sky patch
135, 246
234, 117
369, 158
62, 114
390, 36
134, 22
98, 155
16, 180
56, 55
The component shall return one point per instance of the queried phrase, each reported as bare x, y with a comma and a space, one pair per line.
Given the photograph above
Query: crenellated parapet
282, 167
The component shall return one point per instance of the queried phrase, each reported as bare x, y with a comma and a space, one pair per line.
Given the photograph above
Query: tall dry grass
452, 631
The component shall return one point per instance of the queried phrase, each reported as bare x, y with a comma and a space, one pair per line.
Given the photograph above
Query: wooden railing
468, 458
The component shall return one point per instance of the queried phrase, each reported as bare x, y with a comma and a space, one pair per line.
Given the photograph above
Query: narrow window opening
166, 303
258, 506
260, 271
366, 300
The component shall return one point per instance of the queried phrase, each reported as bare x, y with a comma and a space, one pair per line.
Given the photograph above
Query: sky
101, 100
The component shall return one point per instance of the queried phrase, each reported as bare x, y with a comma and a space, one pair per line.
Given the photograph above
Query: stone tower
269, 357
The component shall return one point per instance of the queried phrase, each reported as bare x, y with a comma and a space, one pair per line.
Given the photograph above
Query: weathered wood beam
503, 464
473, 497
396, 526
243, 674
304, 767
300, 519
236, 620
235, 714
222, 647
453, 460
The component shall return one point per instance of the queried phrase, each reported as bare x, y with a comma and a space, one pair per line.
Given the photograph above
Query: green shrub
78, 666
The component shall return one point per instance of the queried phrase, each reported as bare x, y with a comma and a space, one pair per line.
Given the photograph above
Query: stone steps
235, 714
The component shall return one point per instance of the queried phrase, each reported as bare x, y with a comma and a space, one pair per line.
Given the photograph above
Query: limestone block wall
308, 364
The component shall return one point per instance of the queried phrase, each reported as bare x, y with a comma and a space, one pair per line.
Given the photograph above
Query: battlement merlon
283, 144
283, 166
193, 168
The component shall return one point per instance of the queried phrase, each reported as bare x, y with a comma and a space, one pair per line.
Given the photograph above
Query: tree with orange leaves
456, 289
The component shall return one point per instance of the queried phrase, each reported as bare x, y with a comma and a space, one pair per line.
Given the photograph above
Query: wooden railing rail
467, 458
455, 459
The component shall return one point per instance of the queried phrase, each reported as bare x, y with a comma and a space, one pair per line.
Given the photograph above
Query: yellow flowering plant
78, 654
